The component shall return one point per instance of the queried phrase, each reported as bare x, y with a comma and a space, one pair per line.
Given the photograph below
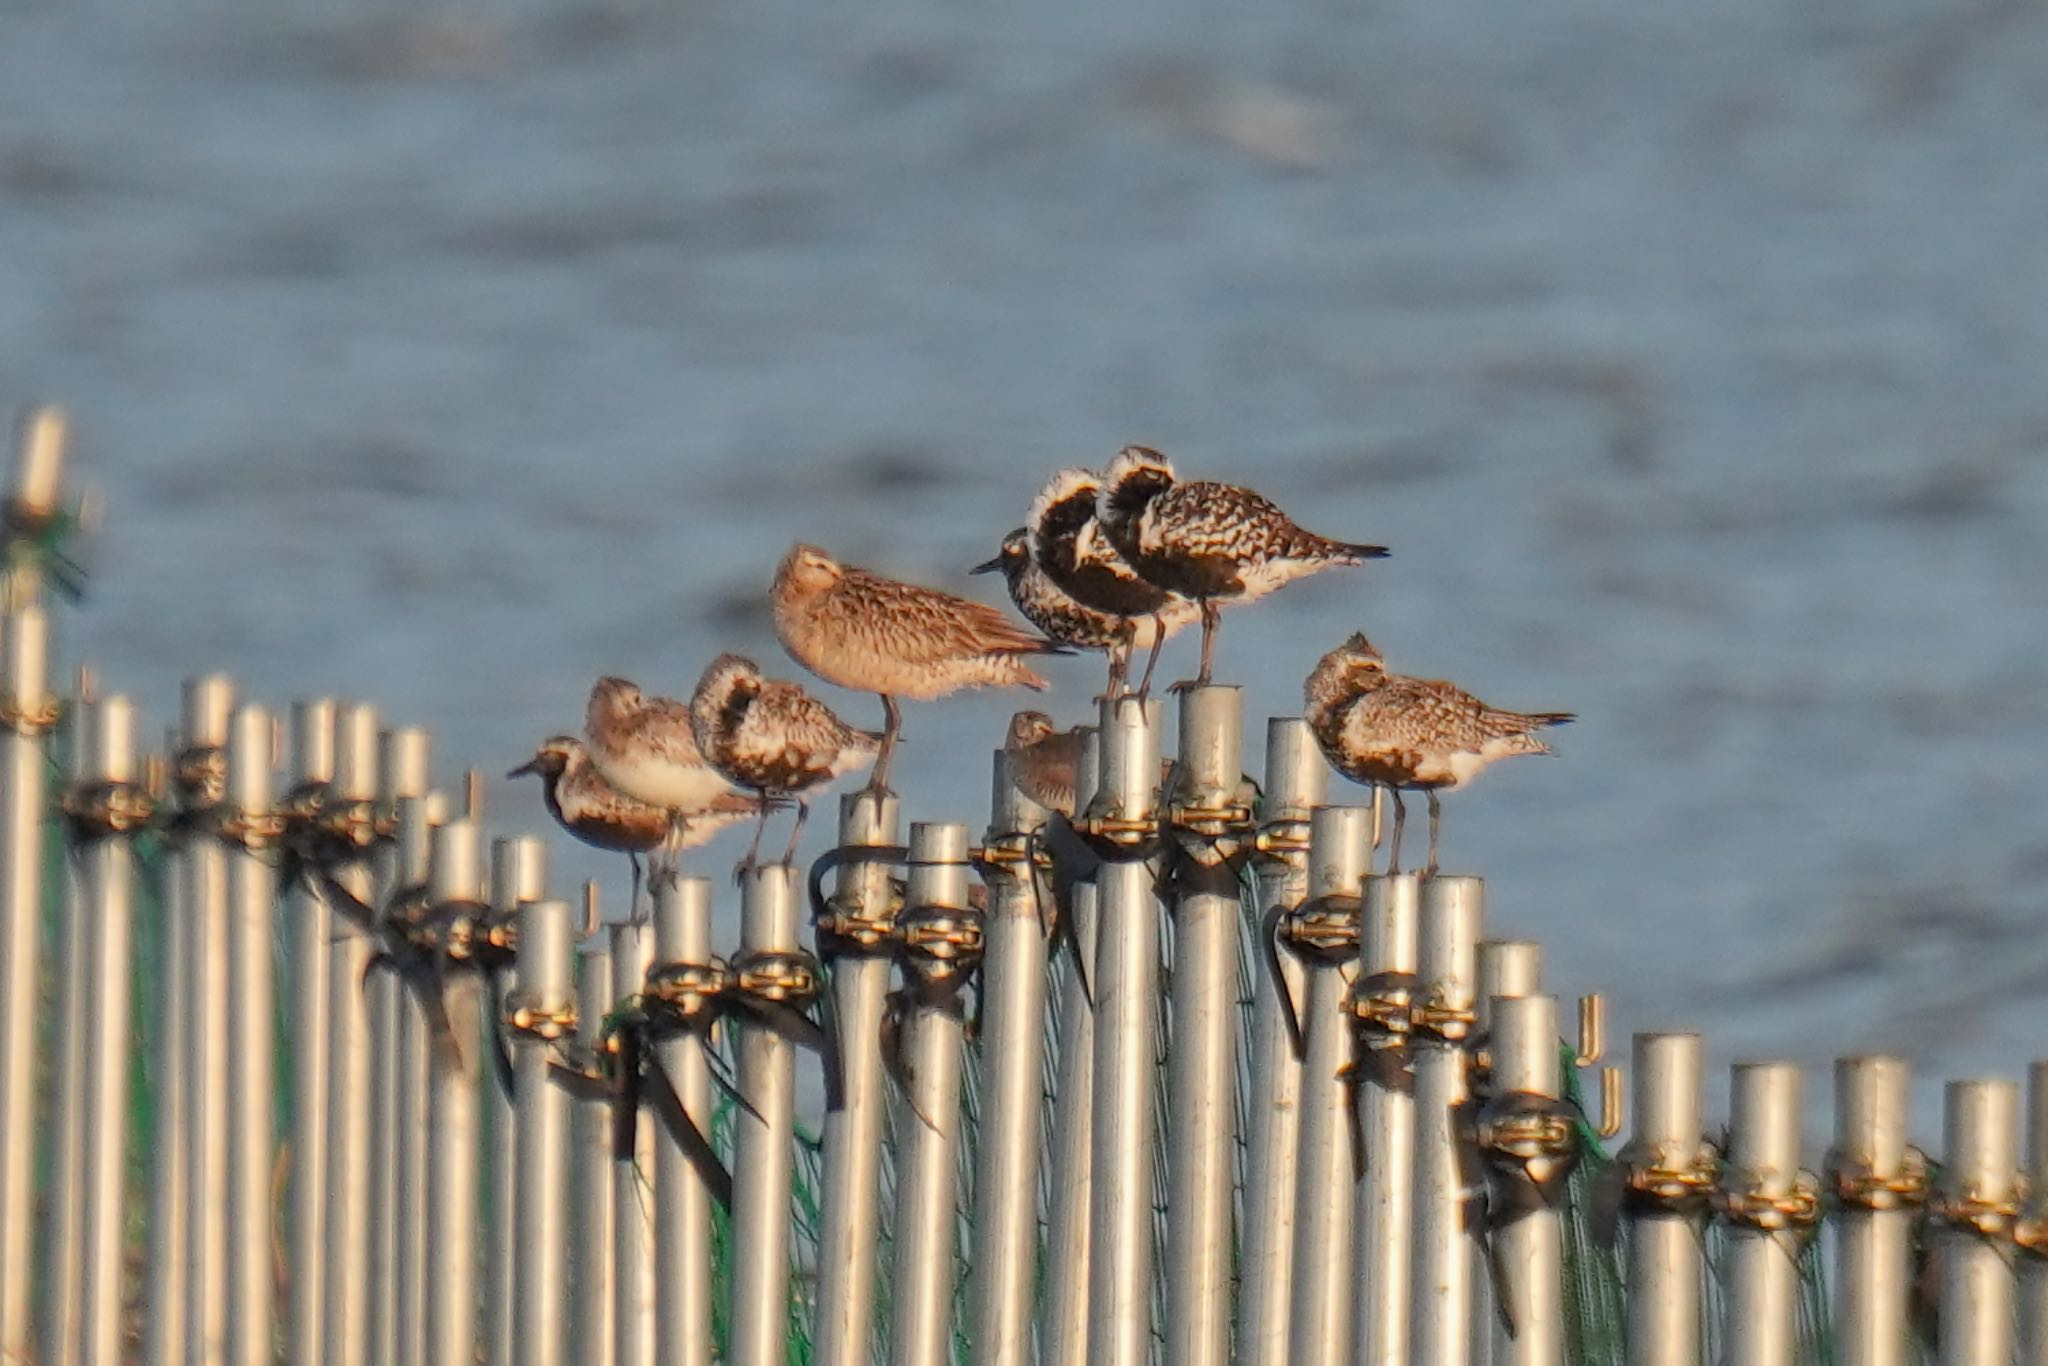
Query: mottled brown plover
1068, 620
603, 817
643, 746
1410, 733
1044, 762
872, 634
1208, 541
1069, 545
771, 736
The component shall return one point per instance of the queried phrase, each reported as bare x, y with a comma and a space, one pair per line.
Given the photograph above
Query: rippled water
1690, 362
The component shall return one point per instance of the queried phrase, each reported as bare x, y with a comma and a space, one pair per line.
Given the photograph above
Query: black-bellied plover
603, 817
1044, 761
1068, 620
874, 634
1069, 544
774, 738
1410, 733
1208, 541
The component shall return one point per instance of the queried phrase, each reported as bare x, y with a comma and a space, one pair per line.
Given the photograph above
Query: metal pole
1760, 1275
1528, 1227
2033, 1288
1126, 1048
850, 1222
540, 1012
449, 1267
252, 1049
1448, 1183
1340, 854
1202, 1064
1665, 1264
310, 927
931, 1043
1296, 779
1507, 967
108, 868
1012, 1077
29, 711
1382, 1001
398, 1070
1063, 1329
166, 1291
1873, 1226
63, 1266
763, 1157
633, 1178
519, 875
592, 1213
202, 867
350, 1073
1979, 1182
682, 1232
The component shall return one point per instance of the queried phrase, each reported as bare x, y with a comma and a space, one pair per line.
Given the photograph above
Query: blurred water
1688, 356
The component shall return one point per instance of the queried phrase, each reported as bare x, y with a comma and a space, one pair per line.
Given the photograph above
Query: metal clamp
789, 975
358, 823
1009, 851
33, 720
846, 932
687, 992
250, 829
106, 807
1684, 1187
199, 773
1527, 1135
1382, 1006
1988, 1216
1282, 838
1325, 928
539, 1020
1741, 1197
2030, 1235
1855, 1185
941, 943
1436, 1018
1210, 822
1124, 832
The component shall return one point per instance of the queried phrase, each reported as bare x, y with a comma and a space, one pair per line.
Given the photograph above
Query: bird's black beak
988, 566
530, 766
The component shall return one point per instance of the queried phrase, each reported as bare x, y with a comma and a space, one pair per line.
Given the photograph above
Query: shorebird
1209, 541
1069, 545
643, 746
773, 737
872, 634
1044, 762
603, 817
1410, 733
1068, 620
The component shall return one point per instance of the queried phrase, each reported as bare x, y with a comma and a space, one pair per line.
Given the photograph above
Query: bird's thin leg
803, 813
1400, 819
746, 865
1119, 667
891, 725
635, 858
1152, 659
1210, 614
1436, 812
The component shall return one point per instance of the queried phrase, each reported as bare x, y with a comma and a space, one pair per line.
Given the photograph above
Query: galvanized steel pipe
540, 1012
519, 875
763, 1157
24, 797
1382, 998
309, 928
1527, 1215
399, 1062
450, 1233
1760, 1274
633, 1177
351, 1075
202, 870
1665, 1263
251, 1283
1874, 1226
1978, 1193
1448, 1184
594, 1306
682, 1232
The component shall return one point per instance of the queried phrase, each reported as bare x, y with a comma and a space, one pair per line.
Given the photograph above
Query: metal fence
293, 1070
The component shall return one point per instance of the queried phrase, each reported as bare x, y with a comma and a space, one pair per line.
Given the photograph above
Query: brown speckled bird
1070, 621
644, 747
1410, 733
1208, 541
872, 634
1043, 761
773, 737
603, 817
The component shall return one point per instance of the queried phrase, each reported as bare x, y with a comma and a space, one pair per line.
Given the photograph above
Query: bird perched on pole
1410, 733
874, 634
1070, 621
603, 817
1071, 547
774, 738
1211, 542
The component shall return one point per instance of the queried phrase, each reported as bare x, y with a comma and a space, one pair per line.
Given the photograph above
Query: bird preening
1115, 561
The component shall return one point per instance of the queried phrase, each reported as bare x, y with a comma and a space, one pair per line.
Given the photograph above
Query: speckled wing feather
662, 728
1224, 521
789, 740
1062, 617
943, 626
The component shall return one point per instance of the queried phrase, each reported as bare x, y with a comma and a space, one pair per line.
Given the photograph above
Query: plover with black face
1070, 547
603, 817
771, 736
1068, 620
874, 634
1209, 541
1410, 733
